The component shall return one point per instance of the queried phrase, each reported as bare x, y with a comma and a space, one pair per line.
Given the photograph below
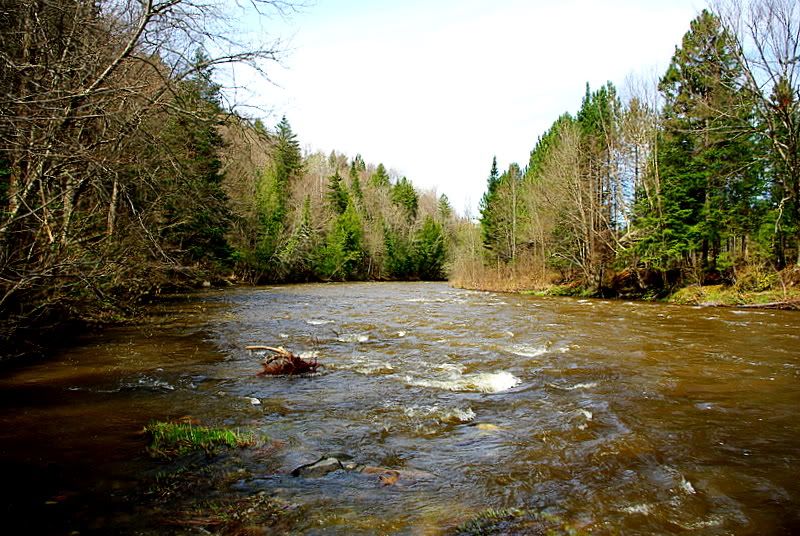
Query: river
612, 416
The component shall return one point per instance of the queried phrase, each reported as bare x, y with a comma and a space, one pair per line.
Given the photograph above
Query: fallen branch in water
283, 362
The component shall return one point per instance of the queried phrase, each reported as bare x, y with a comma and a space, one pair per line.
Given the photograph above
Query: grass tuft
169, 440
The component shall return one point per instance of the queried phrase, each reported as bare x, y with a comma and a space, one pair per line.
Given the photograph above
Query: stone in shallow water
319, 468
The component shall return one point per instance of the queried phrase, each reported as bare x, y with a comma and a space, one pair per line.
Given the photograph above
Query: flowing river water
615, 417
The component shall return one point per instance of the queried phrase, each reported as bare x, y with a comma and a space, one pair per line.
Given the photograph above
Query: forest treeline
124, 171
693, 180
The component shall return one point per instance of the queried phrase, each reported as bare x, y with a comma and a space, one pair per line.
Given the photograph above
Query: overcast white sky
433, 89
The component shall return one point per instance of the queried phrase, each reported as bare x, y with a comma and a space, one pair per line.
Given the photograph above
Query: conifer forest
689, 179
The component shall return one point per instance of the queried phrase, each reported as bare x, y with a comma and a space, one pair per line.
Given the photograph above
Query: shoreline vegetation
684, 189
776, 290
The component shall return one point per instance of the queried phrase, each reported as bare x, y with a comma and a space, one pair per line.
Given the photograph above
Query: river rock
390, 477
486, 427
319, 468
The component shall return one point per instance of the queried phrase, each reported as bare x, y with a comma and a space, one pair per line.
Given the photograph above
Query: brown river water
616, 417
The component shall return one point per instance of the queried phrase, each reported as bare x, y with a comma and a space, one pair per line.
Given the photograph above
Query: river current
616, 417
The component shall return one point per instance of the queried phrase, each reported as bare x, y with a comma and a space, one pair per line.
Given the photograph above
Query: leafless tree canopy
85, 89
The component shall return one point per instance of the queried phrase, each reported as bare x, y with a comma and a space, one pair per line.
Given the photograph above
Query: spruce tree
197, 213
380, 179
398, 258
337, 194
708, 185
488, 208
273, 194
355, 181
429, 251
444, 208
405, 197
343, 255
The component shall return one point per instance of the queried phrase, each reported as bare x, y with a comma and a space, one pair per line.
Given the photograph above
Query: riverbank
775, 290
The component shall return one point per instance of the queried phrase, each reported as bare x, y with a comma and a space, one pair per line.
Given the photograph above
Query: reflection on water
615, 416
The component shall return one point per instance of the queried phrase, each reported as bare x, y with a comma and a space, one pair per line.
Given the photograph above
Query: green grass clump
169, 440
567, 291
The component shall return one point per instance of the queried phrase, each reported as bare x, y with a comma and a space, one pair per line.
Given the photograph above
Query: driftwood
789, 305
283, 362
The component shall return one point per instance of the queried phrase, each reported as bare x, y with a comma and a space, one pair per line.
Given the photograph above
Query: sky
434, 89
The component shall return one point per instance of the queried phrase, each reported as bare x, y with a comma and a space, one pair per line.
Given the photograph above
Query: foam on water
353, 337
365, 365
451, 368
318, 322
444, 415
687, 487
588, 385
148, 382
643, 509
483, 382
527, 350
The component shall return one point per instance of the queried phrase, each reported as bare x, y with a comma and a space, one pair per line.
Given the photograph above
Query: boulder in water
385, 476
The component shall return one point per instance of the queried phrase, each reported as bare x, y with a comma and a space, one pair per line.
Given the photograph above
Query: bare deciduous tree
85, 86
767, 38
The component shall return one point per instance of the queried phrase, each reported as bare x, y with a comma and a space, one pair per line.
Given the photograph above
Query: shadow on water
612, 417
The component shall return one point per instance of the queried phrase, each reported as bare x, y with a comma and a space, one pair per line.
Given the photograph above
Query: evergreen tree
197, 212
598, 123
343, 255
288, 158
273, 193
444, 208
708, 185
488, 208
296, 258
355, 181
398, 259
429, 251
405, 197
337, 194
380, 179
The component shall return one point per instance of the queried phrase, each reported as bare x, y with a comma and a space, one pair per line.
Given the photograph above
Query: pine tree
296, 257
288, 158
598, 122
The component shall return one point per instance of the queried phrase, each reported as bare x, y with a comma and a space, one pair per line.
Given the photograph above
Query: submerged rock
486, 427
385, 476
319, 468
